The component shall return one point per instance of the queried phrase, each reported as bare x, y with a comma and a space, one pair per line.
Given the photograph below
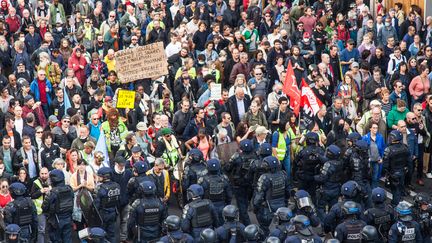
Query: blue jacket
379, 141
32, 43
34, 87
393, 97
412, 143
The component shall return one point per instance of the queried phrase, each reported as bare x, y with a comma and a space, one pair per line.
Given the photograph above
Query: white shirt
240, 108
19, 124
172, 48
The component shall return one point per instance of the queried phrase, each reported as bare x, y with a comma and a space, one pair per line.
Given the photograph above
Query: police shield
90, 213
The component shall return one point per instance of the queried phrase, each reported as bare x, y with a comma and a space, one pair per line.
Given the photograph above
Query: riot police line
329, 199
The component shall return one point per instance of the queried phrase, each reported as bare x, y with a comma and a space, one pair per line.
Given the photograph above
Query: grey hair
159, 161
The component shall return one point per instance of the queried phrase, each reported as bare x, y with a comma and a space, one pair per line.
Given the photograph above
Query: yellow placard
125, 99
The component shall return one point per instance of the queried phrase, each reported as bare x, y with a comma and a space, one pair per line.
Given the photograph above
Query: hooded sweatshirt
79, 73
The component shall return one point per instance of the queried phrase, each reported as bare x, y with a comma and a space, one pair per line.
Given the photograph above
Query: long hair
113, 122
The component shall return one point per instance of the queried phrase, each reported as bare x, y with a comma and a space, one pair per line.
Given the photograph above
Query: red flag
310, 103
291, 89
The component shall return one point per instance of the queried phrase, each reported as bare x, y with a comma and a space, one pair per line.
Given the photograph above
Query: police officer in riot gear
146, 215
232, 230
58, 205
282, 221
330, 180
253, 234
174, 233
351, 139
350, 191
194, 169
208, 236
106, 201
256, 167
133, 187
369, 234
380, 215
21, 211
308, 163
405, 229
395, 161
302, 231
359, 170
272, 239
350, 229
272, 192
94, 235
12, 232
304, 206
199, 213
423, 215
216, 187
238, 169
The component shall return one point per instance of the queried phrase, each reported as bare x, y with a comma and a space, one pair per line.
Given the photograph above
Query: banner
147, 61
125, 99
291, 89
309, 102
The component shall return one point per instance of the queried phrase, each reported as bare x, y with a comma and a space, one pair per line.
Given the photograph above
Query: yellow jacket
167, 185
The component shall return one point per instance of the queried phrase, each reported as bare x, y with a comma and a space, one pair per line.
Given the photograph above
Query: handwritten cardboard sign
126, 99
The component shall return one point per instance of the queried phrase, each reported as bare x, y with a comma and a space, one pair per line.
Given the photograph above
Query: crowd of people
70, 161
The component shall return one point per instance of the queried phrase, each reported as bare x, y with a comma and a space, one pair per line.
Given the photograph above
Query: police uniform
272, 193
256, 167
12, 233
106, 201
350, 229
304, 206
58, 205
232, 230
360, 171
423, 216
146, 215
195, 169
22, 212
216, 187
238, 169
282, 223
302, 232
395, 159
199, 213
381, 215
133, 185
405, 229
174, 234
308, 163
350, 191
330, 180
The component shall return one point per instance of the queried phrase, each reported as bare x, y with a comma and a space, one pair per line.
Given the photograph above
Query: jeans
241, 196
61, 232
41, 228
287, 164
408, 175
375, 173
45, 109
420, 161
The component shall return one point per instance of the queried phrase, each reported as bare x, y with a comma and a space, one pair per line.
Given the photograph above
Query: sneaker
420, 182
429, 175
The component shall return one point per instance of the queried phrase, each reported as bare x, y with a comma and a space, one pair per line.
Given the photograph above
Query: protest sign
125, 99
216, 91
141, 62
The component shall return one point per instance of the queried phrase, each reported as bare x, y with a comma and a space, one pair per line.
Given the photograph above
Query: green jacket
107, 131
53, 12
394, 116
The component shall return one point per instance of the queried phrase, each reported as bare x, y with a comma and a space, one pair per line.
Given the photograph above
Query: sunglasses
39, 132
95, 119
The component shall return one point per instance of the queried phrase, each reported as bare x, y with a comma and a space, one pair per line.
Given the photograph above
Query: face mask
210, 113
306, 39
387, 24
279, 92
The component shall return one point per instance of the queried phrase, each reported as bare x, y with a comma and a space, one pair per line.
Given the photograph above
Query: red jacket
79, 73
14, 23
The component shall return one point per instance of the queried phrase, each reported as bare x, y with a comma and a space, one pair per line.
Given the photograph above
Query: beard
4, 47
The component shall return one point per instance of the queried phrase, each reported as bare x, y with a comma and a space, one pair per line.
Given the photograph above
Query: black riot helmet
369, 234
172, 223
230, 213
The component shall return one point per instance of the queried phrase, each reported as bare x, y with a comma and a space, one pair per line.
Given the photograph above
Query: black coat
17, 137
233, 110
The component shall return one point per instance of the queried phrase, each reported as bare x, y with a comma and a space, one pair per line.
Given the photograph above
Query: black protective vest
398, 157
311, 160
64, 202
381, 220
150, 215
354, 229
360, 168
216, 192
199, 170
240, 172
336, 170
24, 212
202, 217
277, 189
112, 196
